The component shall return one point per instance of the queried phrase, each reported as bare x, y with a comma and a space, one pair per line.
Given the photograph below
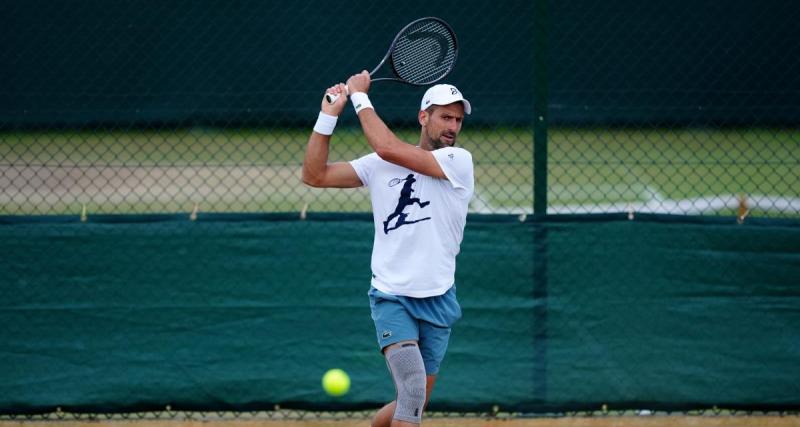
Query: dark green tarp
233, 312
258, 63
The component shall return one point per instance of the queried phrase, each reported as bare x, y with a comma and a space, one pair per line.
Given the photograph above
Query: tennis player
420, 196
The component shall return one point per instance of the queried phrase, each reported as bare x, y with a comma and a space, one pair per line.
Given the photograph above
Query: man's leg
383, 418
393, 321
433, 346
394, 328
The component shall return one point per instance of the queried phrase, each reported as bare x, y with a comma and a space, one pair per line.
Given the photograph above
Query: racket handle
331, 98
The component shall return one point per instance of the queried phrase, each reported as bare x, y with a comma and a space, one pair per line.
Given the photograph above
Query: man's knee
408, 373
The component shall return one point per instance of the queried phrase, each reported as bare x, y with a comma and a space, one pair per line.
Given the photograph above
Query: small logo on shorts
386, 334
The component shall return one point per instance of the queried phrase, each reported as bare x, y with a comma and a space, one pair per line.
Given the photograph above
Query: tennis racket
395, 181
422, 53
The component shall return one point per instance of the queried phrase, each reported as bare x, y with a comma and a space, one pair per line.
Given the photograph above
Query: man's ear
422, 117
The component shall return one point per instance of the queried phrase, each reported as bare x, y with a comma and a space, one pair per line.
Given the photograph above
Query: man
413, 296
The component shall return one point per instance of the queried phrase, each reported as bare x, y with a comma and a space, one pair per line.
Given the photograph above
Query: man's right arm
317, 172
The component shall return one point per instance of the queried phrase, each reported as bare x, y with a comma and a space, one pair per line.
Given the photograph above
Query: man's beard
437, 143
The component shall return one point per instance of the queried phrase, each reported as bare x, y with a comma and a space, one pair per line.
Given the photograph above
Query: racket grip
331, 98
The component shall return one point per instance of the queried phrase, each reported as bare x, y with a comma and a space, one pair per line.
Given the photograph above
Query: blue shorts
425, 320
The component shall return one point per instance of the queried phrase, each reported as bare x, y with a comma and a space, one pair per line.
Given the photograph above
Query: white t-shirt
419, 222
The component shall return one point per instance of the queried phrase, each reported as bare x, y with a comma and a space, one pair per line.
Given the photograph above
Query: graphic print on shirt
405, 201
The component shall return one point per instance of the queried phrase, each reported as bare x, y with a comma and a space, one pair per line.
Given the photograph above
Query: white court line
654, 203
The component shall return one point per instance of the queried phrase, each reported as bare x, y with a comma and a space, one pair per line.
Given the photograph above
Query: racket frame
332, 98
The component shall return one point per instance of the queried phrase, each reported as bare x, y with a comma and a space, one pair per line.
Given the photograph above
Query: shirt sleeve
364, 167
456, 163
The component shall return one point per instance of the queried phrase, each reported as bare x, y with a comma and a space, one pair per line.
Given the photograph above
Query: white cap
443, 94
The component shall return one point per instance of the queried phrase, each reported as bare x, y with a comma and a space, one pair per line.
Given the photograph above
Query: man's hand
336, 108
359, 82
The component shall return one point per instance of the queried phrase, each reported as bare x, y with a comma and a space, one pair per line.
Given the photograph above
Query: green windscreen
243, 312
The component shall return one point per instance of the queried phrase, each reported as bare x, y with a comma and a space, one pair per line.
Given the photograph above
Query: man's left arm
385, 143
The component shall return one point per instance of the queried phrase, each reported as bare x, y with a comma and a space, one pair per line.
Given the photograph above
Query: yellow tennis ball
336, 382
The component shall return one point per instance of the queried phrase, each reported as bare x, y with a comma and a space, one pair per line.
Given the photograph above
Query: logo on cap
453, 91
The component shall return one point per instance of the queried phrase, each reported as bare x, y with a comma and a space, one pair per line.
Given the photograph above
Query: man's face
442, 123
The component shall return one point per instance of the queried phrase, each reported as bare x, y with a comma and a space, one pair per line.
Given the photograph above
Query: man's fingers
359, 82
335, 92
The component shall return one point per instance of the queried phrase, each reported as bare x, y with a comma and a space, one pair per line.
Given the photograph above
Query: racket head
423, 52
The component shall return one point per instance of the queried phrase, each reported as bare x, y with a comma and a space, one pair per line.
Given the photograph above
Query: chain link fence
193, 106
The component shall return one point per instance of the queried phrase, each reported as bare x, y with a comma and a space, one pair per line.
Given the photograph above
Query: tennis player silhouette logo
405, 201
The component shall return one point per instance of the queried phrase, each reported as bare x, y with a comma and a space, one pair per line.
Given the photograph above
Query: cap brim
467, 106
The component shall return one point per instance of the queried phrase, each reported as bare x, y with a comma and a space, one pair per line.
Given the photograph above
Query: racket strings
424, 53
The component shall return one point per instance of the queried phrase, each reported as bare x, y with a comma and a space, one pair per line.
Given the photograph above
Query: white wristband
360, 101
325, 124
